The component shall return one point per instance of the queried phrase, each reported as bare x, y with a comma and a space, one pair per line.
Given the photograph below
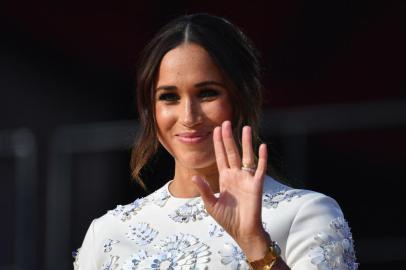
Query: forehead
186, 63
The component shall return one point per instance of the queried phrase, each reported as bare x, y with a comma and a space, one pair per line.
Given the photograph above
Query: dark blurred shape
18, 166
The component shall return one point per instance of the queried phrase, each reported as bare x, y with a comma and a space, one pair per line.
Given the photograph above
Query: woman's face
191, 99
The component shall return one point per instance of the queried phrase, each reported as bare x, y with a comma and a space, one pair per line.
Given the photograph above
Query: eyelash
204, 94
208, 93
170, 97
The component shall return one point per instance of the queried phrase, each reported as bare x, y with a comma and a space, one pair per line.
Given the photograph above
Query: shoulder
318, 234
129, 212
302, 210
112, 230
302, 201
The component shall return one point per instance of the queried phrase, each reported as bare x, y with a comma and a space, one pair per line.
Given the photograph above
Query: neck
182, 185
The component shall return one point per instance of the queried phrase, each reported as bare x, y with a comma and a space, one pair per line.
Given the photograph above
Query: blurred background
335, 114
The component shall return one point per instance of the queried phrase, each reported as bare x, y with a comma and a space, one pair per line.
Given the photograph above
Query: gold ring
248, 168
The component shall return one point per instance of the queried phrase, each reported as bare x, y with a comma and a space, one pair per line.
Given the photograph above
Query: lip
192, 137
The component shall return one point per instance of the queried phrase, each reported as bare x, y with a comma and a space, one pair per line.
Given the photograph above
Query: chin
196, 162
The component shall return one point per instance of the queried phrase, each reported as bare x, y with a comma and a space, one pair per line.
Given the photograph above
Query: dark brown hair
233, 53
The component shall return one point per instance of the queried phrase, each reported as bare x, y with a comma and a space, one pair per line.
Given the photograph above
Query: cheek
164, 117
161, 120
219, 111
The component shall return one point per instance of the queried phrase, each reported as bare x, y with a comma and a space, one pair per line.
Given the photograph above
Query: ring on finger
248, 168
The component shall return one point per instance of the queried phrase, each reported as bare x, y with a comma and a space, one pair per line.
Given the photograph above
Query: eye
169, 97
208, 93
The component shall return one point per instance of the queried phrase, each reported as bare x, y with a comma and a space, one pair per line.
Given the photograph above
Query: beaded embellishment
75, 255
142, 233
335, 251
179, 251
108, 245
215, 230
193, 210
234, 257
272, 200
125, 212
111, 263
134, 260
161, 197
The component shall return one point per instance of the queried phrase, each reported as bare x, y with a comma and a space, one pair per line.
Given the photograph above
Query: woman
198, 94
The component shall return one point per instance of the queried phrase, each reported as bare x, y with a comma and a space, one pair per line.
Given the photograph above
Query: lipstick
192, 137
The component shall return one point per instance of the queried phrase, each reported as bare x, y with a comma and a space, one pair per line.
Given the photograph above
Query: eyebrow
207, 83
198, 85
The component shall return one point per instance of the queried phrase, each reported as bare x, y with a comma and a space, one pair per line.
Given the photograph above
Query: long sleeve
319, 237
85, 259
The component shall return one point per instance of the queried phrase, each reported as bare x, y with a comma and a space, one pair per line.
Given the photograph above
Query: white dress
164, 232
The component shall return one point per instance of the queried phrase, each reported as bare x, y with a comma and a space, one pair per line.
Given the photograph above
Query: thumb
205, 191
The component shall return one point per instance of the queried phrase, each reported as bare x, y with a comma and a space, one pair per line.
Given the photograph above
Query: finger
262, 161
247, 151
206, 192
233, 156
219, 151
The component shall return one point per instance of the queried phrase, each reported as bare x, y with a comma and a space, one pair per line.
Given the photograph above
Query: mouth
193, 137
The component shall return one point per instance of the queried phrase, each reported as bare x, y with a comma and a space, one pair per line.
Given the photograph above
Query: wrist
270, 260
255, 247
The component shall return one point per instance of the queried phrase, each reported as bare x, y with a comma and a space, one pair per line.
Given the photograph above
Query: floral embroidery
161, 197
179, 251
335, 250
134, 260
215, 230
75, 255
125, 212
108, 245
142, 233
111, 263
233, 256
272, 200
193, 210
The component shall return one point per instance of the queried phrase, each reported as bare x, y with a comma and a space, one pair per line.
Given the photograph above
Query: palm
237, 208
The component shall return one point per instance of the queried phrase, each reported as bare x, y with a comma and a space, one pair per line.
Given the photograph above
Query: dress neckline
166, 188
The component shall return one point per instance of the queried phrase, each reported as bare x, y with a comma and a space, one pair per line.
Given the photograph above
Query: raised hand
238, 208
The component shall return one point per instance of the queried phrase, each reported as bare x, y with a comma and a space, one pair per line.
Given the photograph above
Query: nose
191, 115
